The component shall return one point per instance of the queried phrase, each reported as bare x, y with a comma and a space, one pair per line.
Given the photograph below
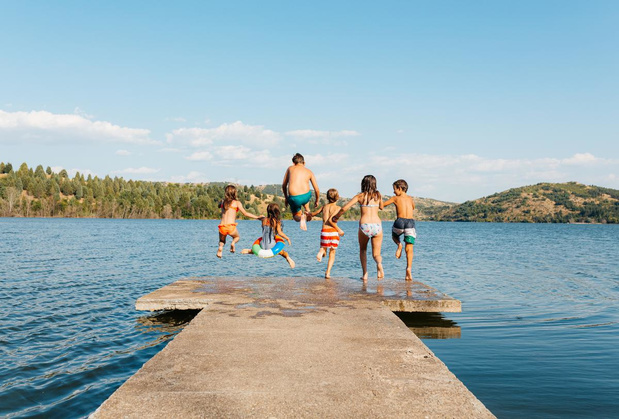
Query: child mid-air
272, 227
330, 233
370, 226
297, 194
227, 227
404, 224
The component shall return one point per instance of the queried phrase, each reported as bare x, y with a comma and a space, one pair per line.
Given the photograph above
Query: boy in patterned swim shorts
330, 233
404, 224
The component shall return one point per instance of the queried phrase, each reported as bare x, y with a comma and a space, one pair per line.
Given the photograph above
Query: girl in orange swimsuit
230, 205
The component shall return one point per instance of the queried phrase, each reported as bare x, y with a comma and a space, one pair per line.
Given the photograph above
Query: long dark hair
368, 189
274, 216
229, 197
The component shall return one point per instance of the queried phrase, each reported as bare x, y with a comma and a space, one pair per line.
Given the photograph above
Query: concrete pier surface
198, 293
294, 352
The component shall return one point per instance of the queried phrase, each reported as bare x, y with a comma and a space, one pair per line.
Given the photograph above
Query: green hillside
542, 203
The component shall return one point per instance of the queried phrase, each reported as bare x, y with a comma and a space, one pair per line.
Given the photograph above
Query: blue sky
461, 99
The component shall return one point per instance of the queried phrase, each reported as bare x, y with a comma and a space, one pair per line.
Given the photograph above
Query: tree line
40, 192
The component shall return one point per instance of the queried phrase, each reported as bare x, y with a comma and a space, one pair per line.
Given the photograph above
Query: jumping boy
330, 233
405, 223
297, 192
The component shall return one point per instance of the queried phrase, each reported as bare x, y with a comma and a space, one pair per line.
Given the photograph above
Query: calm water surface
538, 335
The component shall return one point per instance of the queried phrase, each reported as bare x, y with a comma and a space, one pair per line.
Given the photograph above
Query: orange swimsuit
227, 229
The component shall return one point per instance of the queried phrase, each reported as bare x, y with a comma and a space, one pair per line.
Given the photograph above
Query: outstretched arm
317, 211
285, 186
245, 213
282, 235
315, 186
345, 208
389, 201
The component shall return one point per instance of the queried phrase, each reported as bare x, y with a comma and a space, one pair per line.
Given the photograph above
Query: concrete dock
293, 347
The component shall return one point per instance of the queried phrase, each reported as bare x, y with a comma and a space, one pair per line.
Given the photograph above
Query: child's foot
219, 252
328, 275
409, 275
364, 277
232, 248
320, 255
303, 222
245, 251
398, 252
380, 273
290, 262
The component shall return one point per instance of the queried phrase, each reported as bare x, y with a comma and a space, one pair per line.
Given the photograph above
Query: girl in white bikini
370, 227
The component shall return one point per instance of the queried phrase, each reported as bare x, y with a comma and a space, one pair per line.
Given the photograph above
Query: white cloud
169, 150
191, 177
582, 159
43, 126
200, 156
123, 153
137, 171
310, 133
226, 133
78, 111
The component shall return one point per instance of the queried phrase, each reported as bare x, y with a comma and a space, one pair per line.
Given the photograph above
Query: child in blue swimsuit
370, 226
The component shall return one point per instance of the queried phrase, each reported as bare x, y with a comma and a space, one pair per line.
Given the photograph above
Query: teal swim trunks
296, 202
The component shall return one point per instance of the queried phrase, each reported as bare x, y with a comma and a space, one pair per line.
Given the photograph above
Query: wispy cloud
43, 126
123, 153
175, 119
225, 133
191, 177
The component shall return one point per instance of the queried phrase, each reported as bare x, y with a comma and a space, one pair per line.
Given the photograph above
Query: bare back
404, 205
329, 211
228, 216
298, 177
369, 210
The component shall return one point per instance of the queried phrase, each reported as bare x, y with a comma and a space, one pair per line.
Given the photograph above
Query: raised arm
245, 213
280, 233
285, 186
315, 186
345, 208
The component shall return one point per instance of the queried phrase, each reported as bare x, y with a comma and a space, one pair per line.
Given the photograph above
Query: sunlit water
538, 335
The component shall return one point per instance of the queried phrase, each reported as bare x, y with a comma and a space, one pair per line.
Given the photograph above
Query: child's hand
261, 217
289, 242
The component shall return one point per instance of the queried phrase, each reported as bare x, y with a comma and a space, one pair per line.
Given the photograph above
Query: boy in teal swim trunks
296, 188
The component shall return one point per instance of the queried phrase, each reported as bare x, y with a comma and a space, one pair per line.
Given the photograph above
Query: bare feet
303, 223
219, 252
380, 273
246, 251
232, 248
409, 275
290, 262
365, 277
398, 252
327, 275
320, 255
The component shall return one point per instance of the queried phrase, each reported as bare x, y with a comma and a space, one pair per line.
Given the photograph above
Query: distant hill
570, 202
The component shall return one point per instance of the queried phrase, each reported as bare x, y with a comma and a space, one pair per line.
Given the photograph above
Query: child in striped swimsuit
330, 233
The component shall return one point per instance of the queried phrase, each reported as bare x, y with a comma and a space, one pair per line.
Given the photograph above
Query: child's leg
222, 242
288, 258
308, 212
363, 256
330, 263
396, 240
235, 239
377, 243
246, 252
320, 254
409, 261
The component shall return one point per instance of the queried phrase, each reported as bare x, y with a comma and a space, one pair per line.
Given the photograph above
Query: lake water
538, 335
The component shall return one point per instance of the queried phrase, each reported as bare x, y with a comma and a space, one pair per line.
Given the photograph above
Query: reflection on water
539, 303
430, 325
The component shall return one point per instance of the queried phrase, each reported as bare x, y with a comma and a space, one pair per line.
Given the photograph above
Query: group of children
297, 194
